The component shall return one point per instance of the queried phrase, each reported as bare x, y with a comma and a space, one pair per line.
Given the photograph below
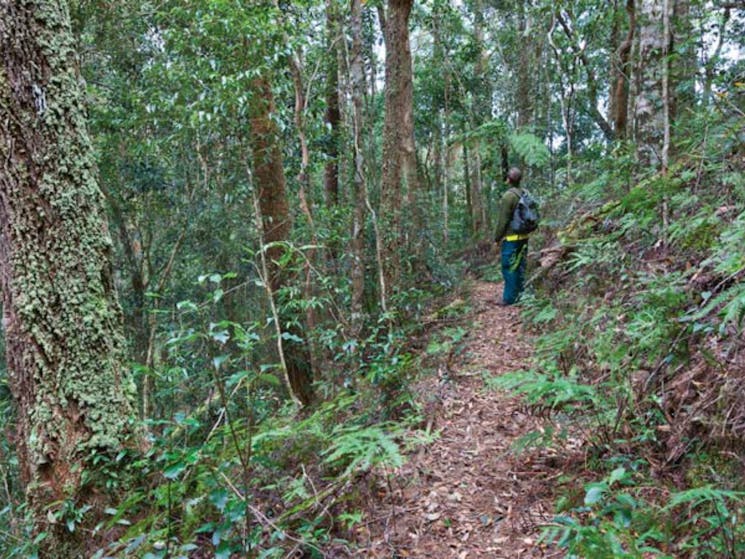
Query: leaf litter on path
468, 494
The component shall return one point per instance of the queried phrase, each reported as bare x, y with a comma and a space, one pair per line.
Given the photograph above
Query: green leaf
291, 337
219, 498
218, 361
616, 475
222, 336
223, 551
363, 447
186, 306
238, 376
594, 495
269, 379
174, 471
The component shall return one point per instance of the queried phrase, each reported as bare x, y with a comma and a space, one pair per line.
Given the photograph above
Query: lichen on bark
63, 323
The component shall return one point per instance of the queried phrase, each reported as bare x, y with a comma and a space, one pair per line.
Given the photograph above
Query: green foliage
730, 307
357, 449
207, 490
726, 299
492, 131
540, 312
553, 392
611, 523
614, 521
214, 462
16, 537
530, 149
710, 520
631, 327
700, 229
652, 276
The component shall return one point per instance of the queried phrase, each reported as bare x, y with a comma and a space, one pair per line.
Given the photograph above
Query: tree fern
530, 148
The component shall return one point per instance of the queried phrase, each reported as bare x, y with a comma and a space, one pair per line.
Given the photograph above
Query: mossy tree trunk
652, 65
61, 317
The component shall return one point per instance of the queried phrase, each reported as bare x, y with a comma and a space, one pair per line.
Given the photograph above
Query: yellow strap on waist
516, 237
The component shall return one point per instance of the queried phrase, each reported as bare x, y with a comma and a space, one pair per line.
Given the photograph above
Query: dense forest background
226, 226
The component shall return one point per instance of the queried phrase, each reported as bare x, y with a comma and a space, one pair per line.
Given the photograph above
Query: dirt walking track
466, 495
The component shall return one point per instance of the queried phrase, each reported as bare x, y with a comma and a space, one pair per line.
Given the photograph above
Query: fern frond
362, 448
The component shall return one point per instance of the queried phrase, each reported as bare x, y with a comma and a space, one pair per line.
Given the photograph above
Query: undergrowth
244, 473
233, 469
639, 353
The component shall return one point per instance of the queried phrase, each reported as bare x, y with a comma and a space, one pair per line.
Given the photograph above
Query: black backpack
525, 217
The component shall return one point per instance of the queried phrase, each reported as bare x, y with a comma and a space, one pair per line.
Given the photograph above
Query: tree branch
592, 88
731, 5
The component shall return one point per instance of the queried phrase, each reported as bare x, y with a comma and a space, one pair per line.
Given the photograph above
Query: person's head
514, 175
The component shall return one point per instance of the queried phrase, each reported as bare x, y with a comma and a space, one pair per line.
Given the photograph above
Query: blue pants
514, 262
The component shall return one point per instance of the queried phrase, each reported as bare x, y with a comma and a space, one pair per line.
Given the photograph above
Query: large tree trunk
333, 114
467, 184
566, 98
525, 69
713, 59
357, 79
480, 111
62, 320
621, 69
269, 180
399, 157
649, 113
441, 134
684, 64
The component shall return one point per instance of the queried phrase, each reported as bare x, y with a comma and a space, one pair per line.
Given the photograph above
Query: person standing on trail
514, 248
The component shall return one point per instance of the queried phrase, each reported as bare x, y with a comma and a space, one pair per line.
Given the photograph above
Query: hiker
513, 231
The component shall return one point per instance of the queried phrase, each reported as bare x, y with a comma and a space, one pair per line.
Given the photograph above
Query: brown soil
468, 494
